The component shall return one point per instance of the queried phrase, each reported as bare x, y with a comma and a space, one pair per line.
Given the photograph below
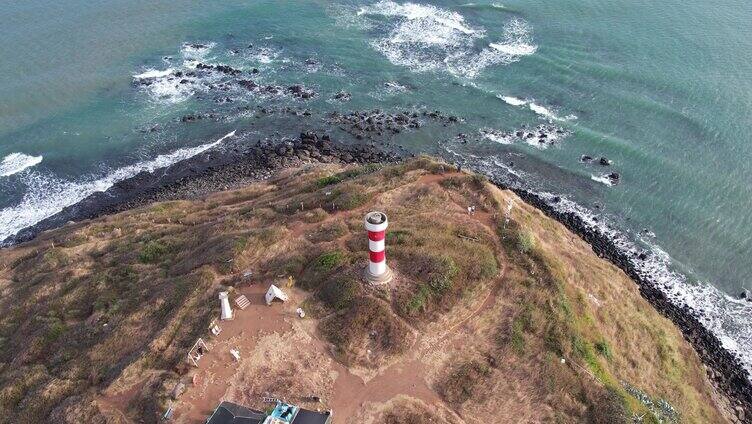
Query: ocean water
94, 93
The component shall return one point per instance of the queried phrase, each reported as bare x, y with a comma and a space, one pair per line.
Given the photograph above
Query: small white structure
235, 354
275, 292
300, 312
226, 310
214, 328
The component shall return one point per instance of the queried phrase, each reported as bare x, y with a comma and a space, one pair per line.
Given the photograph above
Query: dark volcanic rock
300, 92
236, 163
745, 295
225, 69
343, 96
247, 84
376, 123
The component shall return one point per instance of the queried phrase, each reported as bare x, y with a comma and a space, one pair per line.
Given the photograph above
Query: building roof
305, 416
232, 413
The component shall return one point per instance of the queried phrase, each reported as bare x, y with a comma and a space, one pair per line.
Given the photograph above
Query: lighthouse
377, 271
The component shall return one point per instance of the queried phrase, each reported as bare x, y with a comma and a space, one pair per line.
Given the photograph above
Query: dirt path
351, 394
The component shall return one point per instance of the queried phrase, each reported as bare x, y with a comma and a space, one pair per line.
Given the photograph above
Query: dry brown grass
151, 275
411, 411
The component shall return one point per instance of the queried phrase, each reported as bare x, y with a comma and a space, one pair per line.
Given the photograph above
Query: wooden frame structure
197, 351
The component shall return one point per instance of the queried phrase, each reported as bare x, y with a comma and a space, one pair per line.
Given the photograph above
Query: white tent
274, 292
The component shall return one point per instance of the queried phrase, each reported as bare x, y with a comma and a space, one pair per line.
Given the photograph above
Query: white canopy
274, 292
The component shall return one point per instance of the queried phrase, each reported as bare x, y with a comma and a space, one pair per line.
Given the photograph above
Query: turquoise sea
93, 93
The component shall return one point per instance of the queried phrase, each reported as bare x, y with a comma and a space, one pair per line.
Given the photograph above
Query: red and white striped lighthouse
377, 271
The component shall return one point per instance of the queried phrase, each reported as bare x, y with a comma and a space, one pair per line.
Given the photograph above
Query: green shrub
453, 183
346, 175
517, 340
328, 261
327, 232
602, 347
479, 181
339, 294
54, 258
367, 320
153, 252
442, 277
417, 303
351, 200
54, 331
525, 241
328, 180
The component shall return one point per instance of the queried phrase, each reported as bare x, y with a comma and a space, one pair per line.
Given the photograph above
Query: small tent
274, 292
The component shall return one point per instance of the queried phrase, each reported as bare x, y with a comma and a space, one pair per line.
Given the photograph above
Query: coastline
237, 162
724, 369
240, 162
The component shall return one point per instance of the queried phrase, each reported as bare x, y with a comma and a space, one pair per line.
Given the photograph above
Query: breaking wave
514, 101
427, 38
46, 195
539, 110
17, 162
603, 179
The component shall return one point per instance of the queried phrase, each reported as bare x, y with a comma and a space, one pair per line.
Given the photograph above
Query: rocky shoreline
239, 162
723, 368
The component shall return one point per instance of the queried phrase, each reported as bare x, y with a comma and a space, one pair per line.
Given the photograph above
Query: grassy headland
505, 314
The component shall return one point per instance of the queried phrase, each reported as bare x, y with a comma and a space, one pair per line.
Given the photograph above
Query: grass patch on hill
465, 382
554, 316
441, 266
366, 325
346, 175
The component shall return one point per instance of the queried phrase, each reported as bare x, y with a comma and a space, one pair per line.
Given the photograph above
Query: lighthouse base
379, 279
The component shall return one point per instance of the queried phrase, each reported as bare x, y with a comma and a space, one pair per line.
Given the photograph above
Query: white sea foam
428, 38
514, 101
153, 73
516, 49
498, 136
265, 55
603, 179
548, 113
17, 162
516, 40
418, 12
540, 110
46, 195
196, 51
164, 86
